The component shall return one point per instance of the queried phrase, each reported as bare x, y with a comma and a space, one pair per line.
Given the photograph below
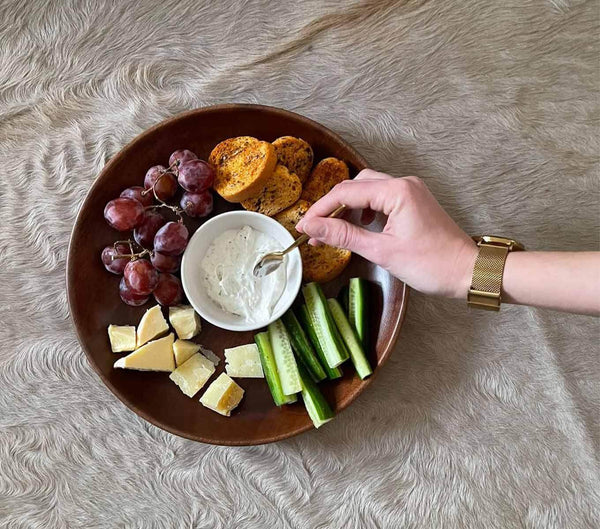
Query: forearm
565, 281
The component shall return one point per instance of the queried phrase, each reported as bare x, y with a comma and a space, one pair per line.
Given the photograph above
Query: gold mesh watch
486, 285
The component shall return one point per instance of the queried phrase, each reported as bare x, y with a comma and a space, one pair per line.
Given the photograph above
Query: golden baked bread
289, 217
242, 165
326, 174
282, 189
323, 263
295, 154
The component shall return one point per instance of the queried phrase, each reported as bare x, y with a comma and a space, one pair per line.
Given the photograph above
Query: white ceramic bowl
191, 276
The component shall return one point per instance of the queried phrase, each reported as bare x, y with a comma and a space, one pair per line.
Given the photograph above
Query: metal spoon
271, 261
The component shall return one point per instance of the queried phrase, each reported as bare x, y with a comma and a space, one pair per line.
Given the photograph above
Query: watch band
486, 285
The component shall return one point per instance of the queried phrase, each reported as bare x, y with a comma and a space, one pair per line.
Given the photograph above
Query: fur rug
478, 421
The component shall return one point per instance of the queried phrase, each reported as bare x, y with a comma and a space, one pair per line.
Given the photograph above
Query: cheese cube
153, 356
185, 321
151, 326
184, 350
243, 362
122, 338
223, 395
193, 374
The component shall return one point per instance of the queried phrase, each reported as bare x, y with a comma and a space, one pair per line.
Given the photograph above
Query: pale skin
421, 245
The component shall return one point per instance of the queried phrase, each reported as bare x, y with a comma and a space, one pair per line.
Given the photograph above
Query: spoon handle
300, 240
304, 238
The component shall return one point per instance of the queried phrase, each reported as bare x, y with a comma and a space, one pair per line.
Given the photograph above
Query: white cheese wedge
243, 362
151, 326
153, 356
122, 338
184, 349
185, 321
223, 395
193, 374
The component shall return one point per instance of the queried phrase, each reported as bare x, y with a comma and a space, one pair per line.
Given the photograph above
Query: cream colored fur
478, 420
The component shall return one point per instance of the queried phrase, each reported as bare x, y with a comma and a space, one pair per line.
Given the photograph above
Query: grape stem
162, 203
129, 242
131, 255
170, 170
174, 209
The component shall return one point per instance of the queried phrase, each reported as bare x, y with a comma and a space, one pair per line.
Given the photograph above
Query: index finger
354, 194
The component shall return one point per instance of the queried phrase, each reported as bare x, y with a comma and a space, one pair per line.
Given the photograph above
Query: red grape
152, 175
196, 176
171, 239
115, 266
165, 183
197, 204
145, 232
168, 291
129, 296
135, 192
141, 276
181, 155
165, 263
124, 214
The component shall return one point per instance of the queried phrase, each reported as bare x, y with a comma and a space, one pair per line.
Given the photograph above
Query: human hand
420, 244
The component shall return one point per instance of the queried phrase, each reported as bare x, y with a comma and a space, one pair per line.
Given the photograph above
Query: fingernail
300, 225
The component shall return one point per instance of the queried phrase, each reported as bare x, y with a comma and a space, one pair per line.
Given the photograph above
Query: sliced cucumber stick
325, 327
336, 333
357, 354
308, 326
357, 307
317, 407
270, 370
302, 347
284, 358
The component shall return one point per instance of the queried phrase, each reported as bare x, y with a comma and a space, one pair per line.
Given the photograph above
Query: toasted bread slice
295, 154
323, 263
326, 174
282, 190
289, 217
243, 166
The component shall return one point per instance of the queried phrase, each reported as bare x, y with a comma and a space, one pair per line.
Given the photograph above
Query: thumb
343, 234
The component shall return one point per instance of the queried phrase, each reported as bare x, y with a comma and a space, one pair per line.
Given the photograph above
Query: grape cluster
148, 267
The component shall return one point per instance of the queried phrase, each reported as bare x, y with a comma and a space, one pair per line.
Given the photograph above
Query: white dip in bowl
216, 271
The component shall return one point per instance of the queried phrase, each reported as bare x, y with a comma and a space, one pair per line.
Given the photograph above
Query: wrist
465, 261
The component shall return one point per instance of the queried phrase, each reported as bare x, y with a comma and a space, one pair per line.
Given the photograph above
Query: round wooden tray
94, 299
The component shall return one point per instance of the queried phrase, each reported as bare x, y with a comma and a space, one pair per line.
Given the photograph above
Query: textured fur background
478, 421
